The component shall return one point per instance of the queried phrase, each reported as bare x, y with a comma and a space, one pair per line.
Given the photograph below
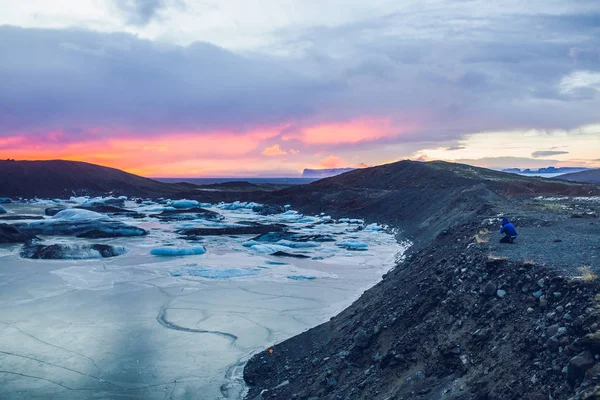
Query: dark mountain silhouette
58, 178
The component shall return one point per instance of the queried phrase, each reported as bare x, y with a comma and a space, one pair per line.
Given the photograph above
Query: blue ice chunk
301, 277
184, 203
5, 200
2, 210
353, 244
297, 245
178, 251
276, 262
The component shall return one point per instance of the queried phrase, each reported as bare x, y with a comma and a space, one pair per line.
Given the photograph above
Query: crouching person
510, 233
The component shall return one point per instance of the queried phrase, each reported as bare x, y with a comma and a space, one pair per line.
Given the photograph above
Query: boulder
579, 365
12, 234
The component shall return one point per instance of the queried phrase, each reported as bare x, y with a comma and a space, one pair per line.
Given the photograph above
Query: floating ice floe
2, 210
178, 251
297, 245
268, 248
373, 227
353, 244
214, 273
250, 243
154, 208
184, 203
301, 277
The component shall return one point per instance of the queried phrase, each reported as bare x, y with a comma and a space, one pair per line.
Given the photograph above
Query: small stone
552, 330
543, 302
561, 331
501, 293
538, 294
489, 289
567, 317
557, 294
530, 310
560, 309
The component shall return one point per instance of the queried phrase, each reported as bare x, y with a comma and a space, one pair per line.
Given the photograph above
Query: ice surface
214, 273
353, 244
184, 203
178, 251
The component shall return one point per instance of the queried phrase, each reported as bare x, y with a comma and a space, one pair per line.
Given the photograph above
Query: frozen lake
172, 327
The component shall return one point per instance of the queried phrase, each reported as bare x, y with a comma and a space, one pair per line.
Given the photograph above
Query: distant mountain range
324, 173
547, 170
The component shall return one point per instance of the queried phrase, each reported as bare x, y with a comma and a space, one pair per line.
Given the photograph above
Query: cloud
294, 151
141, 12
333, 162
274, 150
547, 153
454, 148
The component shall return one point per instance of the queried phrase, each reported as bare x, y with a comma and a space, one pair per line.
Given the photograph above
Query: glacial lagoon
174, 317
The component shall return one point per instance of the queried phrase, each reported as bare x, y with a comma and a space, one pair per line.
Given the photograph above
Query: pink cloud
333, 162
353, 131
274, 150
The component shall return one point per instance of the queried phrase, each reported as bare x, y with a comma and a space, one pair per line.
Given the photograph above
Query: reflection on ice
142, 326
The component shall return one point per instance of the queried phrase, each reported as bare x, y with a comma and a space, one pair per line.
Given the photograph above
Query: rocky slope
454, 320
58, 178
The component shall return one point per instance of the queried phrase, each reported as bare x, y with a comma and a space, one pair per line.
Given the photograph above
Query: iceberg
178, 251
184, 203
214, 273
353, 244
82, 223
78, 214
2, 210
301, 277
59, 251
5, 200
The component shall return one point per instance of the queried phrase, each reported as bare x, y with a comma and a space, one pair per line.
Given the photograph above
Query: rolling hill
591, 176
58, 178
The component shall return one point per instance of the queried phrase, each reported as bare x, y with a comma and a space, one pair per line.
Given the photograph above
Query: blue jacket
507, 228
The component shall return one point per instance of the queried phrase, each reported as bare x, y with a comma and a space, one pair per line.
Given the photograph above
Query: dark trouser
508, 239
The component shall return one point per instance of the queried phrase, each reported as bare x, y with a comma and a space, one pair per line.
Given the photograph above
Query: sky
194, 88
